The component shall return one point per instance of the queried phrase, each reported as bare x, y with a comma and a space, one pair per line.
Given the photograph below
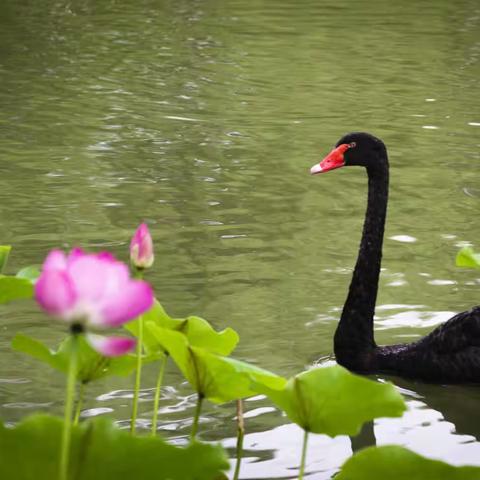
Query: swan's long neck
354, 335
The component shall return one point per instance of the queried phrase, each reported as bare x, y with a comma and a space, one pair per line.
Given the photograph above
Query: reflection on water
203, 118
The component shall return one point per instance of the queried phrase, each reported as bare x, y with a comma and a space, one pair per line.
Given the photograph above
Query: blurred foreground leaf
100, 450
398, 463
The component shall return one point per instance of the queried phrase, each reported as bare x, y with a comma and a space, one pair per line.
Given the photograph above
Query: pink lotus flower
141, 248
92, 290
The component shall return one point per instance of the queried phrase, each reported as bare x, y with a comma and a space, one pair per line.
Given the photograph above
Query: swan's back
449, 354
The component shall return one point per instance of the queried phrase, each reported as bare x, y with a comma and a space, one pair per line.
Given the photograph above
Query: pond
203, 117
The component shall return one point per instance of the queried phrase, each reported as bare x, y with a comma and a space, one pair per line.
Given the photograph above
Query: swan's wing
459, 333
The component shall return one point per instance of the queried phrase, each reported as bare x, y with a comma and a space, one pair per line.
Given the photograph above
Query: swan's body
451, 352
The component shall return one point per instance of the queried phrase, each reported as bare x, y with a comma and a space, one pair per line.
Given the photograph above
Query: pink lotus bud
141, 248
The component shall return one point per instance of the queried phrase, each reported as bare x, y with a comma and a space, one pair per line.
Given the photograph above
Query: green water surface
203, 119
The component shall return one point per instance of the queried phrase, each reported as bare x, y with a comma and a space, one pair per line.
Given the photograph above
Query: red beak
333, 160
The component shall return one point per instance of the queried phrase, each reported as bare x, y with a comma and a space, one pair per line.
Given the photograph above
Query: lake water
203, 119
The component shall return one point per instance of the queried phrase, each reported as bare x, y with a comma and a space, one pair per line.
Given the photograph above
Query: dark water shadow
366, 437
458, 404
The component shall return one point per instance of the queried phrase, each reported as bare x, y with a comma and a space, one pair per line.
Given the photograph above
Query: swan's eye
352, 145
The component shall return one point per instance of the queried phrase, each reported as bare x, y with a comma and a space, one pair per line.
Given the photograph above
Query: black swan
451, 352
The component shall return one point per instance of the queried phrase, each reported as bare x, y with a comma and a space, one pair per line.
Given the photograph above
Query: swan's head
355, 148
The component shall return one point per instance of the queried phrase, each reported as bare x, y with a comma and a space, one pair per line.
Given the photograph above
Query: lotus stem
67, 422
138, 375
196, 419
78, 409
304, 455
240, 435
156, 400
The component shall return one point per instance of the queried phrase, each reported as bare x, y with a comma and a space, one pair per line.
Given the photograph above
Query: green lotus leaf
30, 273
14, 288
91, 364
466, 257
4, 253
219, 379
333, 401
198, 331
158, 316
201, 334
